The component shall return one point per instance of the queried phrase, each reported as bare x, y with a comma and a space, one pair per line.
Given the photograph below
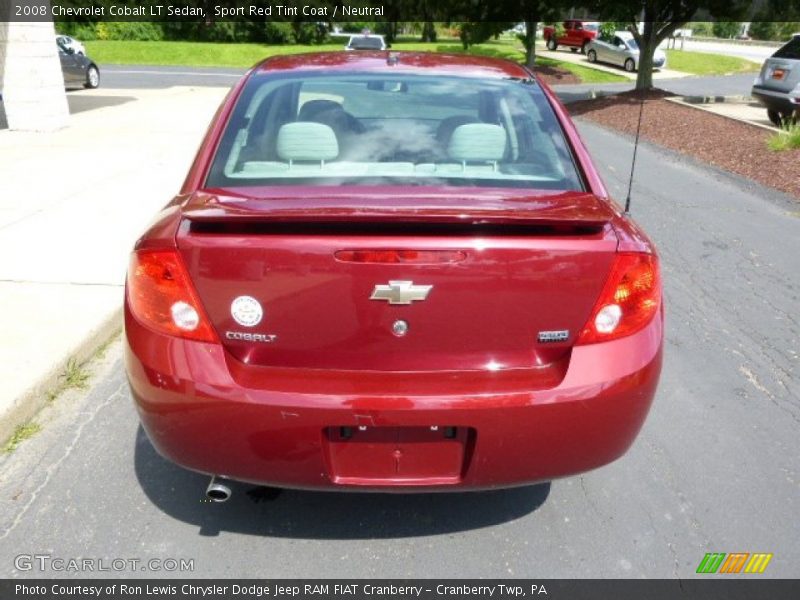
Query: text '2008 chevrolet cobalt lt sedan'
395, 272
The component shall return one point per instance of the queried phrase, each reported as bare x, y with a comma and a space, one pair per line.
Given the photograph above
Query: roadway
715, 468
139, 77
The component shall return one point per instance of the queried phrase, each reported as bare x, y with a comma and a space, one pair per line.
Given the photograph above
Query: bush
787, 29
80, 31
356, 26
609, 28
788, 139
309, 33
277, 33
763, 30
701, 28
478, 32
133, 30
773, 30
727, 29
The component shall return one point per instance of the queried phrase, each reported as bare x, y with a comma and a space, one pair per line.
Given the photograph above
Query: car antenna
635, 148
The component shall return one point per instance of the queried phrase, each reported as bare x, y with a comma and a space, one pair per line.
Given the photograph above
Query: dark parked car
79, 70
778, 85
392, 273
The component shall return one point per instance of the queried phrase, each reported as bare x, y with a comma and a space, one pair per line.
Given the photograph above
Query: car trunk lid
366, 281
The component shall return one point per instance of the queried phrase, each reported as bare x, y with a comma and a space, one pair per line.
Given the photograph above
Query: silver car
778, 84
68, 42
621, 49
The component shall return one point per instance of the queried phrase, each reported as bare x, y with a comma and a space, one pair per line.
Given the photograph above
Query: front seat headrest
305, 140
477, 142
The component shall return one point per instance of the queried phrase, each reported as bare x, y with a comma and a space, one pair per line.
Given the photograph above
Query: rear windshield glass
790, 50
366, 43
319, 129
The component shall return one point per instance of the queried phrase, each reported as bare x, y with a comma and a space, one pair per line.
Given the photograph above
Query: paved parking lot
715, 468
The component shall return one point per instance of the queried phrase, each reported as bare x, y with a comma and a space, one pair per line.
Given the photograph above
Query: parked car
78, 69
622, 50
71, 43
577, 34
777, 86
366, 42
392, 274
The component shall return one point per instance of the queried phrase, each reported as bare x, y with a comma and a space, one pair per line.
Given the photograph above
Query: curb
735, 99
29, 403
698, 105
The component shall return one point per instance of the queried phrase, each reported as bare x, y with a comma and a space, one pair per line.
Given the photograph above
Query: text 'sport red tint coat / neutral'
397, 272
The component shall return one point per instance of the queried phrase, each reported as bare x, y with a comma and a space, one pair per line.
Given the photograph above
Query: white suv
778, 85
366, 42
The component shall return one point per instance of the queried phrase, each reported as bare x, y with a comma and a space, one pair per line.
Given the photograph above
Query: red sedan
393, 272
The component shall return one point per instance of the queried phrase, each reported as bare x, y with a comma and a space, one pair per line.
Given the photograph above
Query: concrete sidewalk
73, 202
739, 108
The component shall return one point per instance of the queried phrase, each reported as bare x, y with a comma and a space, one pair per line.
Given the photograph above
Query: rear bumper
782, 102
207, 412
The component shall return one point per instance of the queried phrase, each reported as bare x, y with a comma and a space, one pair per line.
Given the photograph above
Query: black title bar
705, 587
331, 11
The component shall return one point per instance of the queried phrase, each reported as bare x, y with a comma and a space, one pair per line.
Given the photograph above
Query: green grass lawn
201, 54
190, 54
701, 63
585, 74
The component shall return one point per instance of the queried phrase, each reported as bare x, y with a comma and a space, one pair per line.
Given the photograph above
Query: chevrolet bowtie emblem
400, 292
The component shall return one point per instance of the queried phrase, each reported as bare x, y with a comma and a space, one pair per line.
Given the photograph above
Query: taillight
162, 297
630, 299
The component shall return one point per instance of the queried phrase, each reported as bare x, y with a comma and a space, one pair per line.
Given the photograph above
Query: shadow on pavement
77, 103
83, 102
323, 515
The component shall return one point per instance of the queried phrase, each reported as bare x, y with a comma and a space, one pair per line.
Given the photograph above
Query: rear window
790, 50
366, 43
321, 129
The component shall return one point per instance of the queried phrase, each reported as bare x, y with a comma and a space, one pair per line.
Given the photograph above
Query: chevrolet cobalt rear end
392, 272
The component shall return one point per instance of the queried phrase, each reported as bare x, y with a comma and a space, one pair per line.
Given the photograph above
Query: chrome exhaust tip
217, 491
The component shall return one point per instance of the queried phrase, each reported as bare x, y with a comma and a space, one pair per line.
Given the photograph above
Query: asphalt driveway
138, 77
714, 470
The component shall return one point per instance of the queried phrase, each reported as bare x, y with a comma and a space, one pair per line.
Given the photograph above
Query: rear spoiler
567, 211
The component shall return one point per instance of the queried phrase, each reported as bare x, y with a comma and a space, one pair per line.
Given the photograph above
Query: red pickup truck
576, 35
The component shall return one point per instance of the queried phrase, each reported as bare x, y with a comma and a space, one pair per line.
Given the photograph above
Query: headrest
304, 140
312, 108
477, 142
449, 124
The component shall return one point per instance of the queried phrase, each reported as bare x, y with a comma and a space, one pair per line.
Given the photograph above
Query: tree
534, 12
428, 31
487, 18
727, 29
477, 32
653, 21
